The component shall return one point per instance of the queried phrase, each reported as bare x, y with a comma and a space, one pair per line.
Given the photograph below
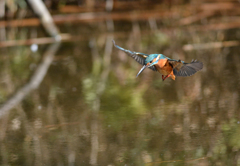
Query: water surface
90, 109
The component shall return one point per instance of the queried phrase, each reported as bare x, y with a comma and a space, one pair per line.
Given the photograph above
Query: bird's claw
164, 78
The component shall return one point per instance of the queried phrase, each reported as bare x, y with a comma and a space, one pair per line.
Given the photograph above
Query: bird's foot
164, 78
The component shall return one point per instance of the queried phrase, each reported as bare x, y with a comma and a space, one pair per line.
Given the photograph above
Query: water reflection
93, 88
91, 110
34, 82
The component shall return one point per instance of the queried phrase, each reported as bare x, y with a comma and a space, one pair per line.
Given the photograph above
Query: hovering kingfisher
164, 65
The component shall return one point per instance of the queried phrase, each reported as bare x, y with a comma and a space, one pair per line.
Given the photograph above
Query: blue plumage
167, 67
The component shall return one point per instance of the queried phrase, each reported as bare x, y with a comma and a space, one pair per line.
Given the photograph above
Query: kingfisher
164, 65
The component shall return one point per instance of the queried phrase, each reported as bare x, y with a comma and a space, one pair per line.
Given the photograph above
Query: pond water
90, 109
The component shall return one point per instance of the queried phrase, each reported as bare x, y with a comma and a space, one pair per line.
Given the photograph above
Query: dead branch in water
194, 18
46, 19
43, 40
190, 47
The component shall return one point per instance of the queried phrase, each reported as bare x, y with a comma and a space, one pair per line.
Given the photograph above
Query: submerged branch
190, 47
174, 161
43, 40
194, 18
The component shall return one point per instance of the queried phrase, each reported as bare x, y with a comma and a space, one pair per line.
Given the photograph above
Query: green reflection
91, 110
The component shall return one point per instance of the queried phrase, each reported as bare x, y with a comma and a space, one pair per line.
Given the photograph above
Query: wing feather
138, 56
188, 69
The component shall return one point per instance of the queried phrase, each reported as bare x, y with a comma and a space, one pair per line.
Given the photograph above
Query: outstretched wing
138, 56
187, 69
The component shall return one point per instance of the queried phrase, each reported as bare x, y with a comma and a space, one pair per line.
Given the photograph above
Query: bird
164, 65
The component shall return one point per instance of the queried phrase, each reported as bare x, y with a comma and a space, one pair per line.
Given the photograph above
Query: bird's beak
150, 65
141, 70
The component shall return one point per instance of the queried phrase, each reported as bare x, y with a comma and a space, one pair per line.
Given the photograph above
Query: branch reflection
34, 81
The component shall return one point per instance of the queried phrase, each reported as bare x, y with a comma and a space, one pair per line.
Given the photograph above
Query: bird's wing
138, 56
176, 64
186, 69
153, 68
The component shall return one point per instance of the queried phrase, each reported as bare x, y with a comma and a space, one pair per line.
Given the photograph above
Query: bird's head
151, 60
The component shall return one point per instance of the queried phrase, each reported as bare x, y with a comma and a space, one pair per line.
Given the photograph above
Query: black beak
141, 70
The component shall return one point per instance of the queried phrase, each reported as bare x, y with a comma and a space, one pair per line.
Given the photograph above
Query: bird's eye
150, 61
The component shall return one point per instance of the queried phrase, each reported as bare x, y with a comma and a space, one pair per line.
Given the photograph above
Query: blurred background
79, 102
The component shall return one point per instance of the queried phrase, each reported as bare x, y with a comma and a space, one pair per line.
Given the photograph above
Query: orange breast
161, 63
164, 67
